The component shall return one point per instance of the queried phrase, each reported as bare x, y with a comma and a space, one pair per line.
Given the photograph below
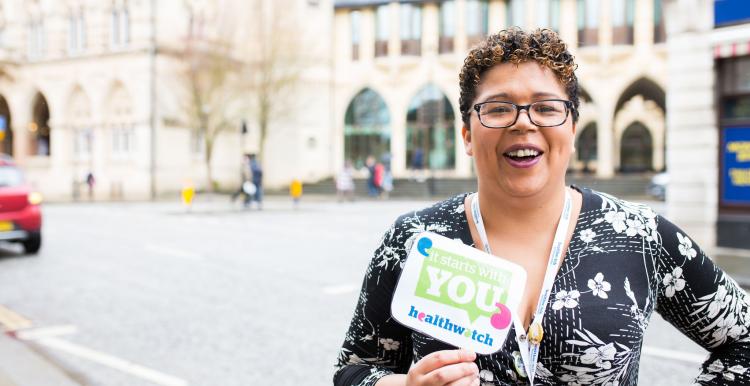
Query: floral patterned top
623, 263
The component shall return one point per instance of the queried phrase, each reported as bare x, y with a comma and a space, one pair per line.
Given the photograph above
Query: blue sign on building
731, 12
735, 174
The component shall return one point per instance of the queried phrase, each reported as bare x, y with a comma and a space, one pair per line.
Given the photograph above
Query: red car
20, 214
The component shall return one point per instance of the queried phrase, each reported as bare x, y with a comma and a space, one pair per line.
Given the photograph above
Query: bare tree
211, 78
275, 63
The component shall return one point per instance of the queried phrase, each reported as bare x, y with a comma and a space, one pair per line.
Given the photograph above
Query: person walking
345, 183
257, 179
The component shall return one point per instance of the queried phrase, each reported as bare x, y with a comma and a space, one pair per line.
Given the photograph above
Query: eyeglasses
546, 113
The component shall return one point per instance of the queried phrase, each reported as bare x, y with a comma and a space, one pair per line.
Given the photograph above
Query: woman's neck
506, 214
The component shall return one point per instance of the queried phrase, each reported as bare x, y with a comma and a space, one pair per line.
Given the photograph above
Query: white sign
458, 294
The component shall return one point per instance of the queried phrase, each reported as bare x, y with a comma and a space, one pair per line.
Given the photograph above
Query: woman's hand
441, 368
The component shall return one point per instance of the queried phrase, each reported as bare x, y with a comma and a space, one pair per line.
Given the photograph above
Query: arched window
119, 112
430, 131
636, 149
6, 131
39, 136
367, 130
586, 146
79, 120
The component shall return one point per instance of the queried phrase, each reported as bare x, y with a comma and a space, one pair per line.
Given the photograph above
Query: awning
730, 50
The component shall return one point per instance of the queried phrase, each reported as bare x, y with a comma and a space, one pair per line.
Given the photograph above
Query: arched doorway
6, 131
636, 149
430, 131
367, 130
586, 148
39, 130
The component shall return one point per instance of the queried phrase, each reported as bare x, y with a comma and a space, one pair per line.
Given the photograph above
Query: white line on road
672, 354
113, 362
340, 289
46, 332
172, 252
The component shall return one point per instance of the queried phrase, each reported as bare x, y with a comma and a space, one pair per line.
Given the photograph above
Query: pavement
21, 365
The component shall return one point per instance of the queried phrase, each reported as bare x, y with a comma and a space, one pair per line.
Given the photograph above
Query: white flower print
460, 209
718, 367
587, 235
487, 378
389, 344
599, 287
721, 301
577, 379
617, 219
673, 282
635, 227
686, 246
601, 356
566, 299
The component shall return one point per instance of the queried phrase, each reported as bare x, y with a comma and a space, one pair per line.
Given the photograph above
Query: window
356, 25
588, 22
623, 13
514, 13
367, 130
660, 35
37, 40
197, 142
734, 89
447, 26
381, 30
83, 143
76, 32
548, 14
122, 140
477, 21
411, 29
120, 27
430, 131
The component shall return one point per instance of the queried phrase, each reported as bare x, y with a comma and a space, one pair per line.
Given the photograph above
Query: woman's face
545, 151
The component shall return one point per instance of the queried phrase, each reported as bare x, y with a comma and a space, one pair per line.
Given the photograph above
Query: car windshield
10, 176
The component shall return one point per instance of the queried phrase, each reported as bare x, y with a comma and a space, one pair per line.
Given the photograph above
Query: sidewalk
21, 366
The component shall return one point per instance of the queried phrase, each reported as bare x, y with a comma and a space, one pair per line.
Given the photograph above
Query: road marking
340, 289
672, 354
46, 332
12, 321
113, 362
172, 252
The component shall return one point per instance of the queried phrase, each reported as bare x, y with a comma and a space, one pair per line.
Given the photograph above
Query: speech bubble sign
458, 294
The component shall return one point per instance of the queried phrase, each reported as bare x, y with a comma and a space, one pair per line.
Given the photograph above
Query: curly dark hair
514, 45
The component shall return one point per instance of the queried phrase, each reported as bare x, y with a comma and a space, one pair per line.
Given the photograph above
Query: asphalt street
150, 294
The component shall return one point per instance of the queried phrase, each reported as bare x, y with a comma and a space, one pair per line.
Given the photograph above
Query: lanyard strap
530, 347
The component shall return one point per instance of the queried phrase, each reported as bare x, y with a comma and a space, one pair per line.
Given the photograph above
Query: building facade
709, 120
94, 87
397, 65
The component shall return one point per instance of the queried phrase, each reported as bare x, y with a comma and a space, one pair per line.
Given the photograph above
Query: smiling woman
597, 267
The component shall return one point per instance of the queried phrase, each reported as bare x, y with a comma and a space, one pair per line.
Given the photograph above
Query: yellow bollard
295, 190
188, 193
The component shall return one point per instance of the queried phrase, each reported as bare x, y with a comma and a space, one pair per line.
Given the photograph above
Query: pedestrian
295, 191
586, 302
257, 180
345, 183
245, 190
90, 182
378, 178
372, 187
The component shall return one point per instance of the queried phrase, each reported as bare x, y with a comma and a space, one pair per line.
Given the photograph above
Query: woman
622, 262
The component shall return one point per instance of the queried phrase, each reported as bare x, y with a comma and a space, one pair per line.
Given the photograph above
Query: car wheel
33, 243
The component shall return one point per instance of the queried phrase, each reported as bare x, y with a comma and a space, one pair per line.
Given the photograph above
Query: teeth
523, 153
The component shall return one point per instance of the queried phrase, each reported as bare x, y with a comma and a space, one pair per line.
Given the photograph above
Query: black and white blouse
623, 263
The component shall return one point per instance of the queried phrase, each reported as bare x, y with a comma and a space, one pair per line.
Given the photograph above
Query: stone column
692, 140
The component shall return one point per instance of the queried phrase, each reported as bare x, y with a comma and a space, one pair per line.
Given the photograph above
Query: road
149, 294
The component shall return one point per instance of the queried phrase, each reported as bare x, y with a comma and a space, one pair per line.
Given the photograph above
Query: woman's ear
466, 134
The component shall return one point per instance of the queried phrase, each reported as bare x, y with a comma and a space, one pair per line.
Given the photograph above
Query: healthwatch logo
457, 294
456, 281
